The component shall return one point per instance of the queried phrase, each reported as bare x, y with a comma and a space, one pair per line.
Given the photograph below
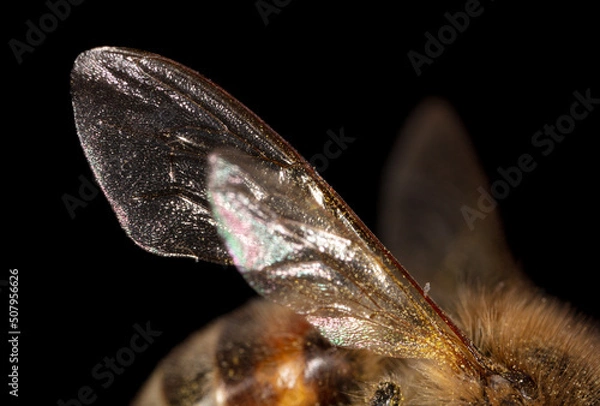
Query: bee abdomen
270, 356
262, 354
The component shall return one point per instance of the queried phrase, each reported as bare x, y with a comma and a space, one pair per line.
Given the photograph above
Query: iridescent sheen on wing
295, 251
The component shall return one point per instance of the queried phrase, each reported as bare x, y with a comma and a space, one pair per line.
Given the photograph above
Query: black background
314, 67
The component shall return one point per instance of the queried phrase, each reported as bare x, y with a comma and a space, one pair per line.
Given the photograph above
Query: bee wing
146, 124
432, 184
148, 127
296, 244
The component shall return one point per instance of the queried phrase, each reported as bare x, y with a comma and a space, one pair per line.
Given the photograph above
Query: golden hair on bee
538, 351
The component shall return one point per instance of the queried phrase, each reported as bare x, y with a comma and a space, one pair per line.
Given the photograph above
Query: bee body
264, 354
261, 354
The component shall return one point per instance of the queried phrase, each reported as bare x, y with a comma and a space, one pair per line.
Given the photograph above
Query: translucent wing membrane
181, 162
147, 124
294, 250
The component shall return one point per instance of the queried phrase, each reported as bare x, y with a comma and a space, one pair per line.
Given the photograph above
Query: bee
191, 172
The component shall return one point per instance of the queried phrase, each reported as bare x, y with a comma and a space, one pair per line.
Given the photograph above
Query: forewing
147, 124
294, 245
